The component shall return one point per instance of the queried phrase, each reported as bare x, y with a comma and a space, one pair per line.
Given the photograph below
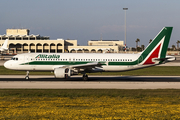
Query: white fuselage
50, 61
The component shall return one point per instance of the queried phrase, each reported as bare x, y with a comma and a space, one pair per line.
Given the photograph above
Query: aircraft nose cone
7, 64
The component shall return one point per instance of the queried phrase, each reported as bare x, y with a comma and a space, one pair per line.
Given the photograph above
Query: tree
173, 47
142, 47
178, 44
137, 40
139, 49
150, 40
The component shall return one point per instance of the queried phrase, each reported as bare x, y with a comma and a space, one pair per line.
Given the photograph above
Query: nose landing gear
27, 75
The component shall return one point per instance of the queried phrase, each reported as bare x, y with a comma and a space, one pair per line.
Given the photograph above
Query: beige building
21, 42
105, 43
92, 49
99, 46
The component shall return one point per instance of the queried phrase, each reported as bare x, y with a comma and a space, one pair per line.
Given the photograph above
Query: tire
27, 77
66, 76
85, 77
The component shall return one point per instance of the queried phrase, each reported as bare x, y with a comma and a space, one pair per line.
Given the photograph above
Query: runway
95, 82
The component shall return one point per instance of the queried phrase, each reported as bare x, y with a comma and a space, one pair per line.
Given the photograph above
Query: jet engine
62, 72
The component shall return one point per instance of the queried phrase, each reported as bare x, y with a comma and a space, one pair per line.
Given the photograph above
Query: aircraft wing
84, 67
88, 65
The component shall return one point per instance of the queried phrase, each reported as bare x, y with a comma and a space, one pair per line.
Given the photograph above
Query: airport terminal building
20, 41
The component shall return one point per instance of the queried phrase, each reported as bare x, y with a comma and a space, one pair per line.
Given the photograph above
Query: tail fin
4, 46
157, 48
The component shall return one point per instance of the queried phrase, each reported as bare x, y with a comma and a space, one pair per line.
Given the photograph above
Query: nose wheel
85, 77
27, 75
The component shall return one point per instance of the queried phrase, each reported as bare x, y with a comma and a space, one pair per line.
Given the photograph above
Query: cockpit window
14, 58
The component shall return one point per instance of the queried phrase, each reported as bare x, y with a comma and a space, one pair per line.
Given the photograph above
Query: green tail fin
158, 47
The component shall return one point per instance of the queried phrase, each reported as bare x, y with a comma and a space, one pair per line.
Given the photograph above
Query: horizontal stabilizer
167, 59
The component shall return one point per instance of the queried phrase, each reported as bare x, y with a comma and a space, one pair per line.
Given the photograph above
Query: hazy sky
90, 19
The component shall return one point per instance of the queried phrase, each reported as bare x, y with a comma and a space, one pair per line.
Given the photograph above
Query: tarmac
95, 82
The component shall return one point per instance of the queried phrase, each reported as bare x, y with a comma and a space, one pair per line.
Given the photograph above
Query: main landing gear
85, 77
27, 75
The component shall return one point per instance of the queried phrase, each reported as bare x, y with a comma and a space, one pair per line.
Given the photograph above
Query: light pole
125, 27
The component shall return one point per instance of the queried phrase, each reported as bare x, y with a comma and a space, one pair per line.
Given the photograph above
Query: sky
86, 20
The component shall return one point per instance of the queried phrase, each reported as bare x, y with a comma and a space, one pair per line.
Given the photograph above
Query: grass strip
90, 92
89, 104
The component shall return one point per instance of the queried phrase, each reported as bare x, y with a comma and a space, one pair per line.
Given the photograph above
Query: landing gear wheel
27, 77
85, 77
66, 76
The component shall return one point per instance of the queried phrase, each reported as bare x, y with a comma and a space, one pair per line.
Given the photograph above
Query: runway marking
87, 85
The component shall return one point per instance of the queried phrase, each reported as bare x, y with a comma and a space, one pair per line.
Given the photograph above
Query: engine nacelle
62, 72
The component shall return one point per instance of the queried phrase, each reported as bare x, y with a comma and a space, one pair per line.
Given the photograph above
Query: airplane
65, 65
4, 46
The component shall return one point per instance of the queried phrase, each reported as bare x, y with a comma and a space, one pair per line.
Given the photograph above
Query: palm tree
178, 44
173, 47
150, 40
137, 40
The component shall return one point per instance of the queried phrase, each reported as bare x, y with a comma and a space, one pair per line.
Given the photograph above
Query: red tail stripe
153, 55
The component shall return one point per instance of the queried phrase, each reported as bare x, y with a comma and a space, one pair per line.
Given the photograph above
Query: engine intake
62, 72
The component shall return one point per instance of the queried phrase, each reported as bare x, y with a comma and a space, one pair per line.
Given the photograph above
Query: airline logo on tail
156, 51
